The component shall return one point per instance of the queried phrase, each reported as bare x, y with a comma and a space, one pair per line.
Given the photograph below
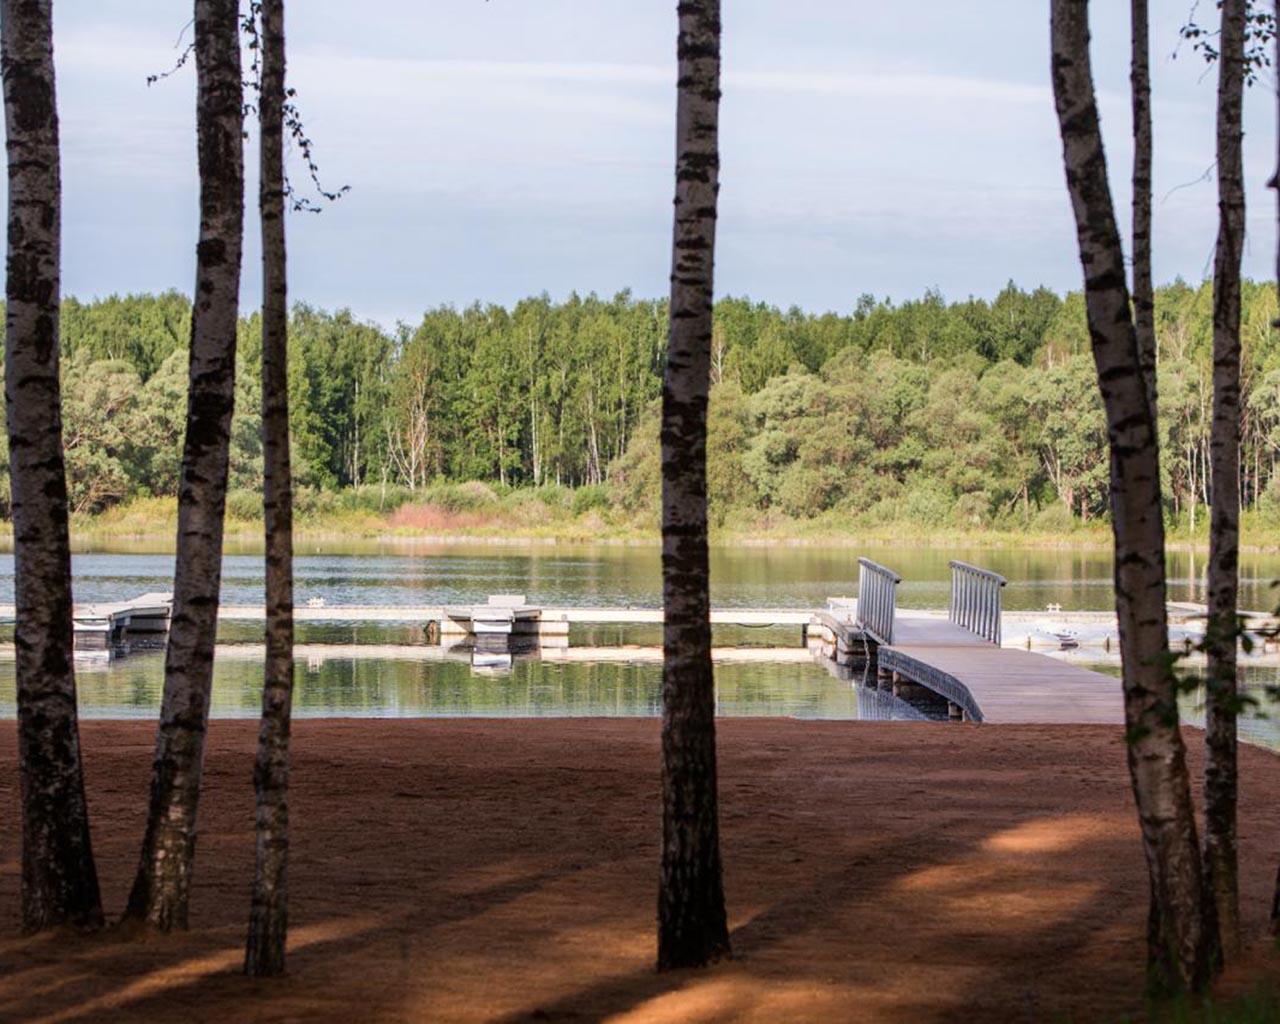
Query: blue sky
500, 149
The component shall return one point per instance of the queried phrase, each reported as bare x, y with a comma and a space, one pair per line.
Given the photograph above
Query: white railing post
877, 598
976, 600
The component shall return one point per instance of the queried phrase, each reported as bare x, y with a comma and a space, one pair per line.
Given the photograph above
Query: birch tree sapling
59, 878
1239, 48
268, 918
161, 888
1221, 704
1179, 934
692, 929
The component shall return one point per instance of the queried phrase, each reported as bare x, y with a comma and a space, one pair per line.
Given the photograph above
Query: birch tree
1221, 783
692, 929
1275, 184
268, 918
1178, 940
1144, 303
59, 879
161, 889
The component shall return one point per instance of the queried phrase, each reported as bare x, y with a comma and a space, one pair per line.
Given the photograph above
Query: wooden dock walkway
959, 658
997, 684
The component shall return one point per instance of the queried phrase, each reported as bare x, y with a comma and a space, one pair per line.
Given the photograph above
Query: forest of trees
966, 413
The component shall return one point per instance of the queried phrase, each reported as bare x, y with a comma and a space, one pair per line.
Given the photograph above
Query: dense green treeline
968, 413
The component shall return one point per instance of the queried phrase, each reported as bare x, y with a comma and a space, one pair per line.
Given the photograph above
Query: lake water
398, 687
354, 683
394, 573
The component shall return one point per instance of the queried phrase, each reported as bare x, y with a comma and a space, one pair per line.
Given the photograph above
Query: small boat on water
1051, 636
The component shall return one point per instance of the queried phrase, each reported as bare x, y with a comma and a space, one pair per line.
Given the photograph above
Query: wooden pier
985, 683
1052, 630
959, 659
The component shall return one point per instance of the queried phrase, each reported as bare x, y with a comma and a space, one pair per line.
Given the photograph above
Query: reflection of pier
317, 654
494, 658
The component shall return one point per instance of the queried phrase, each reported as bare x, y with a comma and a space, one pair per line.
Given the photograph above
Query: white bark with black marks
268, 917
1221, 785
161, 889
692, 928
1178, 934
1275, 184
1144, 303
59, 879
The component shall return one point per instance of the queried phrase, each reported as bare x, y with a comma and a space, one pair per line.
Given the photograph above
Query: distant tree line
967, 412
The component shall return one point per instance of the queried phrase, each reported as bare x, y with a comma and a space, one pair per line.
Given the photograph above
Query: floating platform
140, 623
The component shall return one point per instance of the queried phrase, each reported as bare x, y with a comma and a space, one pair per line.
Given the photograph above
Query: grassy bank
478, 512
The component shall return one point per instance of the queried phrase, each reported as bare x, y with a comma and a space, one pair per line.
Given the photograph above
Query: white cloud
495, 149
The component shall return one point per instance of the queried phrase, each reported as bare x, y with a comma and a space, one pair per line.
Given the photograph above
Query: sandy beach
505, 870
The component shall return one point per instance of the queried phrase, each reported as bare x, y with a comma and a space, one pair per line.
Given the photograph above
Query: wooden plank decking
998, 684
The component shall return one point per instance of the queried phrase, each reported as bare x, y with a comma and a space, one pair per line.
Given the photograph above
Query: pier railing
975, 600
877, 599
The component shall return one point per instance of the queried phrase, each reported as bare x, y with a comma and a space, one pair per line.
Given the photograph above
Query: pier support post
955, 712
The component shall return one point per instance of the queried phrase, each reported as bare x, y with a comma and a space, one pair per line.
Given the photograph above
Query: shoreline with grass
479, 514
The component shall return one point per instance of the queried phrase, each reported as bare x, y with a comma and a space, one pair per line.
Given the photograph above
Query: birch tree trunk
1144, 304
268, 918
1275, 184
692, 929
1220, 781
161, 887
59, 879
1178, 932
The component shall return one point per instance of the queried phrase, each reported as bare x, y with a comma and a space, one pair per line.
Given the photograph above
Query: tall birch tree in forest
59, 879
268, 917
1221, 782
1179, 933
161, 888
692, 930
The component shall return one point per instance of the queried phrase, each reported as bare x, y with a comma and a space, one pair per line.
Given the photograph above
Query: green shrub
590, 498
553, 496
1054, 518
467, 497
972, 509
244, 505
927, 505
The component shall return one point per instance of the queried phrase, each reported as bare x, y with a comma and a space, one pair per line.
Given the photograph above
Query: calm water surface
420, 574
407, 574
385, 687
420, 684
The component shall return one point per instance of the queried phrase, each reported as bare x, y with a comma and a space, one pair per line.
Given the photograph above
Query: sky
504, 148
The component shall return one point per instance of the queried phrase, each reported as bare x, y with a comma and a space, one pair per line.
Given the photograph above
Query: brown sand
505, 870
